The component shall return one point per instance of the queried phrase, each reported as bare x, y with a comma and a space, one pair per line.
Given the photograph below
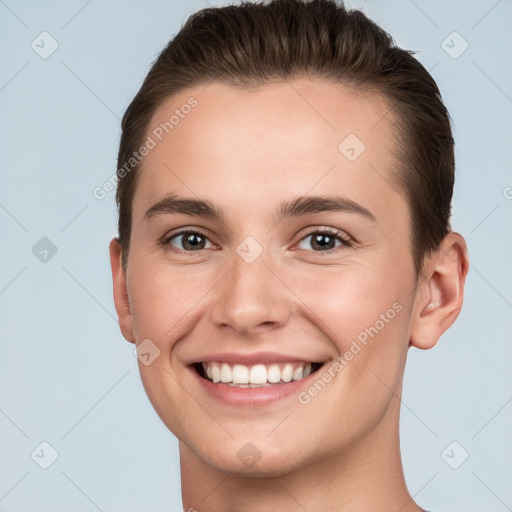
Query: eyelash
345, 240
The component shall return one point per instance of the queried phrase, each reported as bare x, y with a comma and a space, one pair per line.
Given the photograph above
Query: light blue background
66, 374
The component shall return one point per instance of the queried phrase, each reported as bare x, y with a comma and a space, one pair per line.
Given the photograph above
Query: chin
254, 460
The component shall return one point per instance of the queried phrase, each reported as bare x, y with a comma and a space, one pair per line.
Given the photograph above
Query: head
247, 109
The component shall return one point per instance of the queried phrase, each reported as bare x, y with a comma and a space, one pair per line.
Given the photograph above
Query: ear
440, 292
121, 300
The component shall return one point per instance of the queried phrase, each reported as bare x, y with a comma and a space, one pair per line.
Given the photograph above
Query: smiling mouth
255, 376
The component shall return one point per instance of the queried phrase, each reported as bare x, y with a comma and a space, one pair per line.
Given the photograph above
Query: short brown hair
253, 43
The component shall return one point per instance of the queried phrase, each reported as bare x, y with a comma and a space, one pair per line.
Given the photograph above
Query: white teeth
297, 373
287, 373
215, 372
226, 375
240, 374
273, 373
257, 375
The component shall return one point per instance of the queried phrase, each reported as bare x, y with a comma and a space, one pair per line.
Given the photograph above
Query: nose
251, 298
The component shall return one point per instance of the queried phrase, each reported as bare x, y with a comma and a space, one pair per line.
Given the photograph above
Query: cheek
164, 302
346, 300
162, 297
364, 313
366, 318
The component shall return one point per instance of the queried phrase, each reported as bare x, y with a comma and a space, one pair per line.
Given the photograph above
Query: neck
363, 477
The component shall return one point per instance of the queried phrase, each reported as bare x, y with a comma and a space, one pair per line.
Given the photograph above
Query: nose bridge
250, 296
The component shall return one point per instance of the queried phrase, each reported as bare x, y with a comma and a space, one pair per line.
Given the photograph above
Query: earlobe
440, 294
120, 290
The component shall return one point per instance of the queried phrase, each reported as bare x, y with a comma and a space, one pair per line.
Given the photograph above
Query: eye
324, 240
188, 241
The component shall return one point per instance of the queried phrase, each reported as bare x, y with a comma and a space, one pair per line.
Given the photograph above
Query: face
269, 241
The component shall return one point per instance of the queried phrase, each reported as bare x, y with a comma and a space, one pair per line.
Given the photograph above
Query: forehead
221, 142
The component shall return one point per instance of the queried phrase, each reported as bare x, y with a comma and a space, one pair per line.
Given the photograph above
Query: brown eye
323, 240
188, 241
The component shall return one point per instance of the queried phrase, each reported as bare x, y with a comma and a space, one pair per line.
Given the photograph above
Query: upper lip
254, 358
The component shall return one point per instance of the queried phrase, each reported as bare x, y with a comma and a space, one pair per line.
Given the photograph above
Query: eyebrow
305, 205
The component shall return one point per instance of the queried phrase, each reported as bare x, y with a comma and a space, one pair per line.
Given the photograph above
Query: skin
247, 151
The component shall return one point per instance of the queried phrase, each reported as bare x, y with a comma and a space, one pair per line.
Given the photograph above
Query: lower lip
250, 397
